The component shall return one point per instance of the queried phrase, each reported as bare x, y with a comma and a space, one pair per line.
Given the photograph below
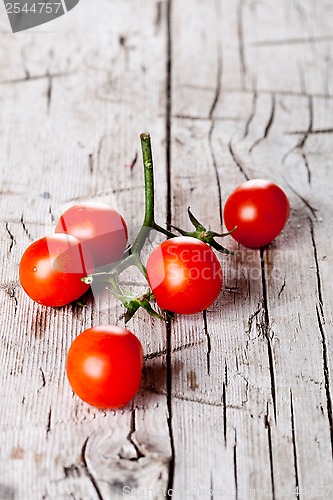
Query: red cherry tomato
51, 270
259, 209
104, 366
184, 275
100, 228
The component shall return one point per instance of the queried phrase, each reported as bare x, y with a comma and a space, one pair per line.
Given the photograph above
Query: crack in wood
169, 405
133, 162
43, 379
250, 320
237, 160
10, 289
293, 434
247, 385
48, 425
311, 132
25, 229
11, 236
276, 92
306, 203
209, 344
211, 495
266, 331
96, 194
53, 218
207, 118
224, 402
268, 126
163, 352
212, 127
307, 167
29, 78
224, 405
301, 143
303, 200
292, 41
168, 112
49, 93
91, 162
235, 466
72, 471
194, 399
270, 450
252, 115
321, 323
282, 288
88, 472
130, 438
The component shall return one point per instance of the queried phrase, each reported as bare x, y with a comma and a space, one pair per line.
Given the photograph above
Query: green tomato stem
147, 157
149, 217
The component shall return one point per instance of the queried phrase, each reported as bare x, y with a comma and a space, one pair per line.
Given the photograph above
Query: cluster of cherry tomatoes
87, 236
104, 364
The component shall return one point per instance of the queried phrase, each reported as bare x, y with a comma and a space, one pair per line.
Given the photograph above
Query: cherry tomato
100, 228
51, 270
104, 366
184, 274
259, 209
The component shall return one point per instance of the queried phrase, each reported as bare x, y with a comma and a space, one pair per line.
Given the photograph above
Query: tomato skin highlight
184, 274
100, 228
51, 269
104, 366
259, 209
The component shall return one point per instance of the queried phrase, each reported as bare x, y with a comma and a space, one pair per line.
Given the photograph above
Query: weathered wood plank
94, 89
271, 360
235, 402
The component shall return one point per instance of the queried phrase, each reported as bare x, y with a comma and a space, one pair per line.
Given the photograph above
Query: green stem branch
147, 157
132, 256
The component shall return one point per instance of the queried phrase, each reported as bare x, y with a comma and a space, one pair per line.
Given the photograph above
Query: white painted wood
237, 403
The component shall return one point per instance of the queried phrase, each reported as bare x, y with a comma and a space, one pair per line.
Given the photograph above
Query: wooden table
235, 403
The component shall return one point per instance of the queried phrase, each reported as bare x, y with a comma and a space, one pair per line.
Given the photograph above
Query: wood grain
235, 402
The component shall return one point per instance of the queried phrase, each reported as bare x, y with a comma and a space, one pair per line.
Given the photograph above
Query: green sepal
219, 248
198, 226
205, 235
131, 308
145, 304
135, 303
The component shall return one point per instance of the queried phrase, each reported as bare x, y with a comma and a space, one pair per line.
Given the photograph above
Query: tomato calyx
143, 301
205, 235
131, 302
